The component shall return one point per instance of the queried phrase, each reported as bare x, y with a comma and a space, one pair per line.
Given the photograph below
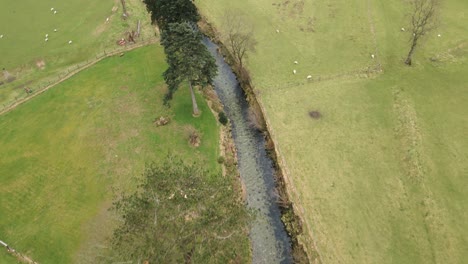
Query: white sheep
51, 9
277, 31
439, 35
70, 42
55, 12
402, 29
372, 55
107, 20
295, 62
55, 30
309, 77
46, 39
46, 35
1, 36
294, 72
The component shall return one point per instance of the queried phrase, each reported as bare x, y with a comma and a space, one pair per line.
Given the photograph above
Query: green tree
180, 213
172, 11
188, 60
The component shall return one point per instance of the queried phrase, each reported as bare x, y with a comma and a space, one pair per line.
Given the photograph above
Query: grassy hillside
380, 176
25, 54
63, 152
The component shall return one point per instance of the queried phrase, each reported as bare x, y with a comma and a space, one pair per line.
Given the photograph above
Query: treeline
188, 59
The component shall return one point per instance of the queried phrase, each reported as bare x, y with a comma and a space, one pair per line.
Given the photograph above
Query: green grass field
381, 177
24, 25
63, 152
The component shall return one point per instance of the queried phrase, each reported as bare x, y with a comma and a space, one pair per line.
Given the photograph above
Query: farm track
79, 69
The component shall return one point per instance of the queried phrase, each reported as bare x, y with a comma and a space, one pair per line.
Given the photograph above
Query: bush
221, 159
222, 118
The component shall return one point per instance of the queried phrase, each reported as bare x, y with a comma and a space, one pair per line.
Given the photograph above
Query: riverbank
289, 216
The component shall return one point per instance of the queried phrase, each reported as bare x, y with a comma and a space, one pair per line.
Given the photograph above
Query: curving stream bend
270, 242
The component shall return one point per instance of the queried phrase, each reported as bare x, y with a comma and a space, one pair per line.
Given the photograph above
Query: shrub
222, 118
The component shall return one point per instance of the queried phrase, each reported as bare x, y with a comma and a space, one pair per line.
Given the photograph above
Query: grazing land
33, 61
63, 152
380, 175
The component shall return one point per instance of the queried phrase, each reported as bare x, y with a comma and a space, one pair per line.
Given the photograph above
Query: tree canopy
187, 57
179, 213
165, 12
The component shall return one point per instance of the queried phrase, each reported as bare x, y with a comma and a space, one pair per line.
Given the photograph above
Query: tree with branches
180, 213
423, 19
188, 59
239, 36
164, 12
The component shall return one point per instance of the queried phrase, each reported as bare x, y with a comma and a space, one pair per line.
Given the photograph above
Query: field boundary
363, 73
18, 255
76, 69
308, 238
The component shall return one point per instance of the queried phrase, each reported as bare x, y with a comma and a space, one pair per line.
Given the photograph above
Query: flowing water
270, 242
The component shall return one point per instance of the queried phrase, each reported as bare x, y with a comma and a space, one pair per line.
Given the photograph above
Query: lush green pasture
63, 152
382, 174
24, 25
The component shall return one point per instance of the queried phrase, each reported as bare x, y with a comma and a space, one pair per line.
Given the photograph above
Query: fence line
69, 72
18, 255
367, 72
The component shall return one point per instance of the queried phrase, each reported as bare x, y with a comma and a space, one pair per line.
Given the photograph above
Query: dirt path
77, 70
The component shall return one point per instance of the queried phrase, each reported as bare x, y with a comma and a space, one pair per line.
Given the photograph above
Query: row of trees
189, 60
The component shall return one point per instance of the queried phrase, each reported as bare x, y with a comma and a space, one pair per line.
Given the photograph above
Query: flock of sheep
55, 30
46, 39
309, 77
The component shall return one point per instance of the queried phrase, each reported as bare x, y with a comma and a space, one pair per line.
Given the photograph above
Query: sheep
46, 35
439, 35
55, 30
55, 12
46, 39
309, 77
295, 62
51, 9
402, 29
277, 31
70, 42
294, 71
372, 55
107, 20
1, 36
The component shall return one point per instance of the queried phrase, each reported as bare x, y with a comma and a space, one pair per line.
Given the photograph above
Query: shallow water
270, 242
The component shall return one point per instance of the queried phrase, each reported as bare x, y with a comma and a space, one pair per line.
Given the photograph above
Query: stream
269, 239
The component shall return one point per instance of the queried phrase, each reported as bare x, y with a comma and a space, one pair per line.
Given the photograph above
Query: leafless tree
239, 37
423, 19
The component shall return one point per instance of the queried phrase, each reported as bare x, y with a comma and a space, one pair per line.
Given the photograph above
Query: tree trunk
196, 112
410, 54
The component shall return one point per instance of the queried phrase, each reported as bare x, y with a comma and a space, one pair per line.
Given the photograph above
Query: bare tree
239, 36
423, 20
